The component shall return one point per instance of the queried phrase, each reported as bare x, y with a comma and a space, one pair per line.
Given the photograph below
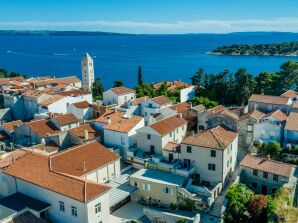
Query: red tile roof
172, 147
181, 107
161, 100
168, 125
54, 98
270, 166
122, 90
12, 157
33, 93
65, 119
34, 168
220, 109
279, 115
80, 132
72, 92
290, 94
124, 124
42, 127
140, 100
10, 125
82, 104
269, 99
292, 122
218, 137
82, 159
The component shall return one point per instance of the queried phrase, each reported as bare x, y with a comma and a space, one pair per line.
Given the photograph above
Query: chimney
109, 120
180, 115
86, 135
14, 159
11, 146
190, 104
192, 133
268, 157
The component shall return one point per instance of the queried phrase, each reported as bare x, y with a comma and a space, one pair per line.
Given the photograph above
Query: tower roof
87, 57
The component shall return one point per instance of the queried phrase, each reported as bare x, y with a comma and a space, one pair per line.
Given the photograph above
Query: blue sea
162, 57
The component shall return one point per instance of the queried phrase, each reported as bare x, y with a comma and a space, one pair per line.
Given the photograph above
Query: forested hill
276, 49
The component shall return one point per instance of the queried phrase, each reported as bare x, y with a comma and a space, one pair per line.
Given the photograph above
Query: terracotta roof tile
290, 94
113, 116
82, 159
181, 107
124, 124
168, 125
63, 80
257, 115
270, 166
218, 137
12, 157
82, 104
224, 111
140, 100
65, 119
33, 93
80, 132
122, 90
161, 100
72, 92
172, 147
34, 168
51, 100
42, 127
269, 99
279, 115
292, 122
172, 85
10, 125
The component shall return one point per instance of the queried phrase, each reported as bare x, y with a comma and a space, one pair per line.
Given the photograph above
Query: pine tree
140, 75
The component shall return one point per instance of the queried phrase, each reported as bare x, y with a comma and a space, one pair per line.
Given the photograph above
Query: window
227, 163
230, 160
122, 140
249, 128
182, 127
146, 123
171, 134
275, 177
148, 136
152, 149
211, 166
201, 127
262, 132
61, 206
146, 187
255, 172
4, 178
177, 130
136, 184
150, 105
74, 211
167, 190
254, 185
265, 175
213, 153
188, 149
98, 208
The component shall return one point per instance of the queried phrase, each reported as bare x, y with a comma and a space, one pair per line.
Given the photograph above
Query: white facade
148, 139
199, 157
150, 107
85, 211
110, 97
268, 129
87, 72
187, 94
31, 105
81, 113
122, 140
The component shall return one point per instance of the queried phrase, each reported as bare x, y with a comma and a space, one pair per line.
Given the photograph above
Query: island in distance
275, 49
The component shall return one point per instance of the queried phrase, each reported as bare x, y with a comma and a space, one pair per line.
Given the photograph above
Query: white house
212, 152
91, 161
153, 138
270, 128
118, 96
71, 199
65, 121
31, 100
82, 110
291, 130
153, 105
119, 130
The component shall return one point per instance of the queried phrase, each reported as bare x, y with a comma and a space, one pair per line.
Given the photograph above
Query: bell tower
87, 72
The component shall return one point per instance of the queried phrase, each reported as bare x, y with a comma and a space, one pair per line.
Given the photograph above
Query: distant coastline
289, 49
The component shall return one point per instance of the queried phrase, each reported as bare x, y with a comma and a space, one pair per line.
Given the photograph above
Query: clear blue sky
151, 16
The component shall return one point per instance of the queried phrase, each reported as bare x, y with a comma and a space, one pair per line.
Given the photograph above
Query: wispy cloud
199, 26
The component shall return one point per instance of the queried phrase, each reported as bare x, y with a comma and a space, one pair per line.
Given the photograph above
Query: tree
140, 75
97, 89
257, 207
288, 75
204, 101
245, 84
272, 148
238, 197
118, 83
3, 73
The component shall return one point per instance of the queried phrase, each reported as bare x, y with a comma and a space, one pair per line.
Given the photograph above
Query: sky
150, 16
